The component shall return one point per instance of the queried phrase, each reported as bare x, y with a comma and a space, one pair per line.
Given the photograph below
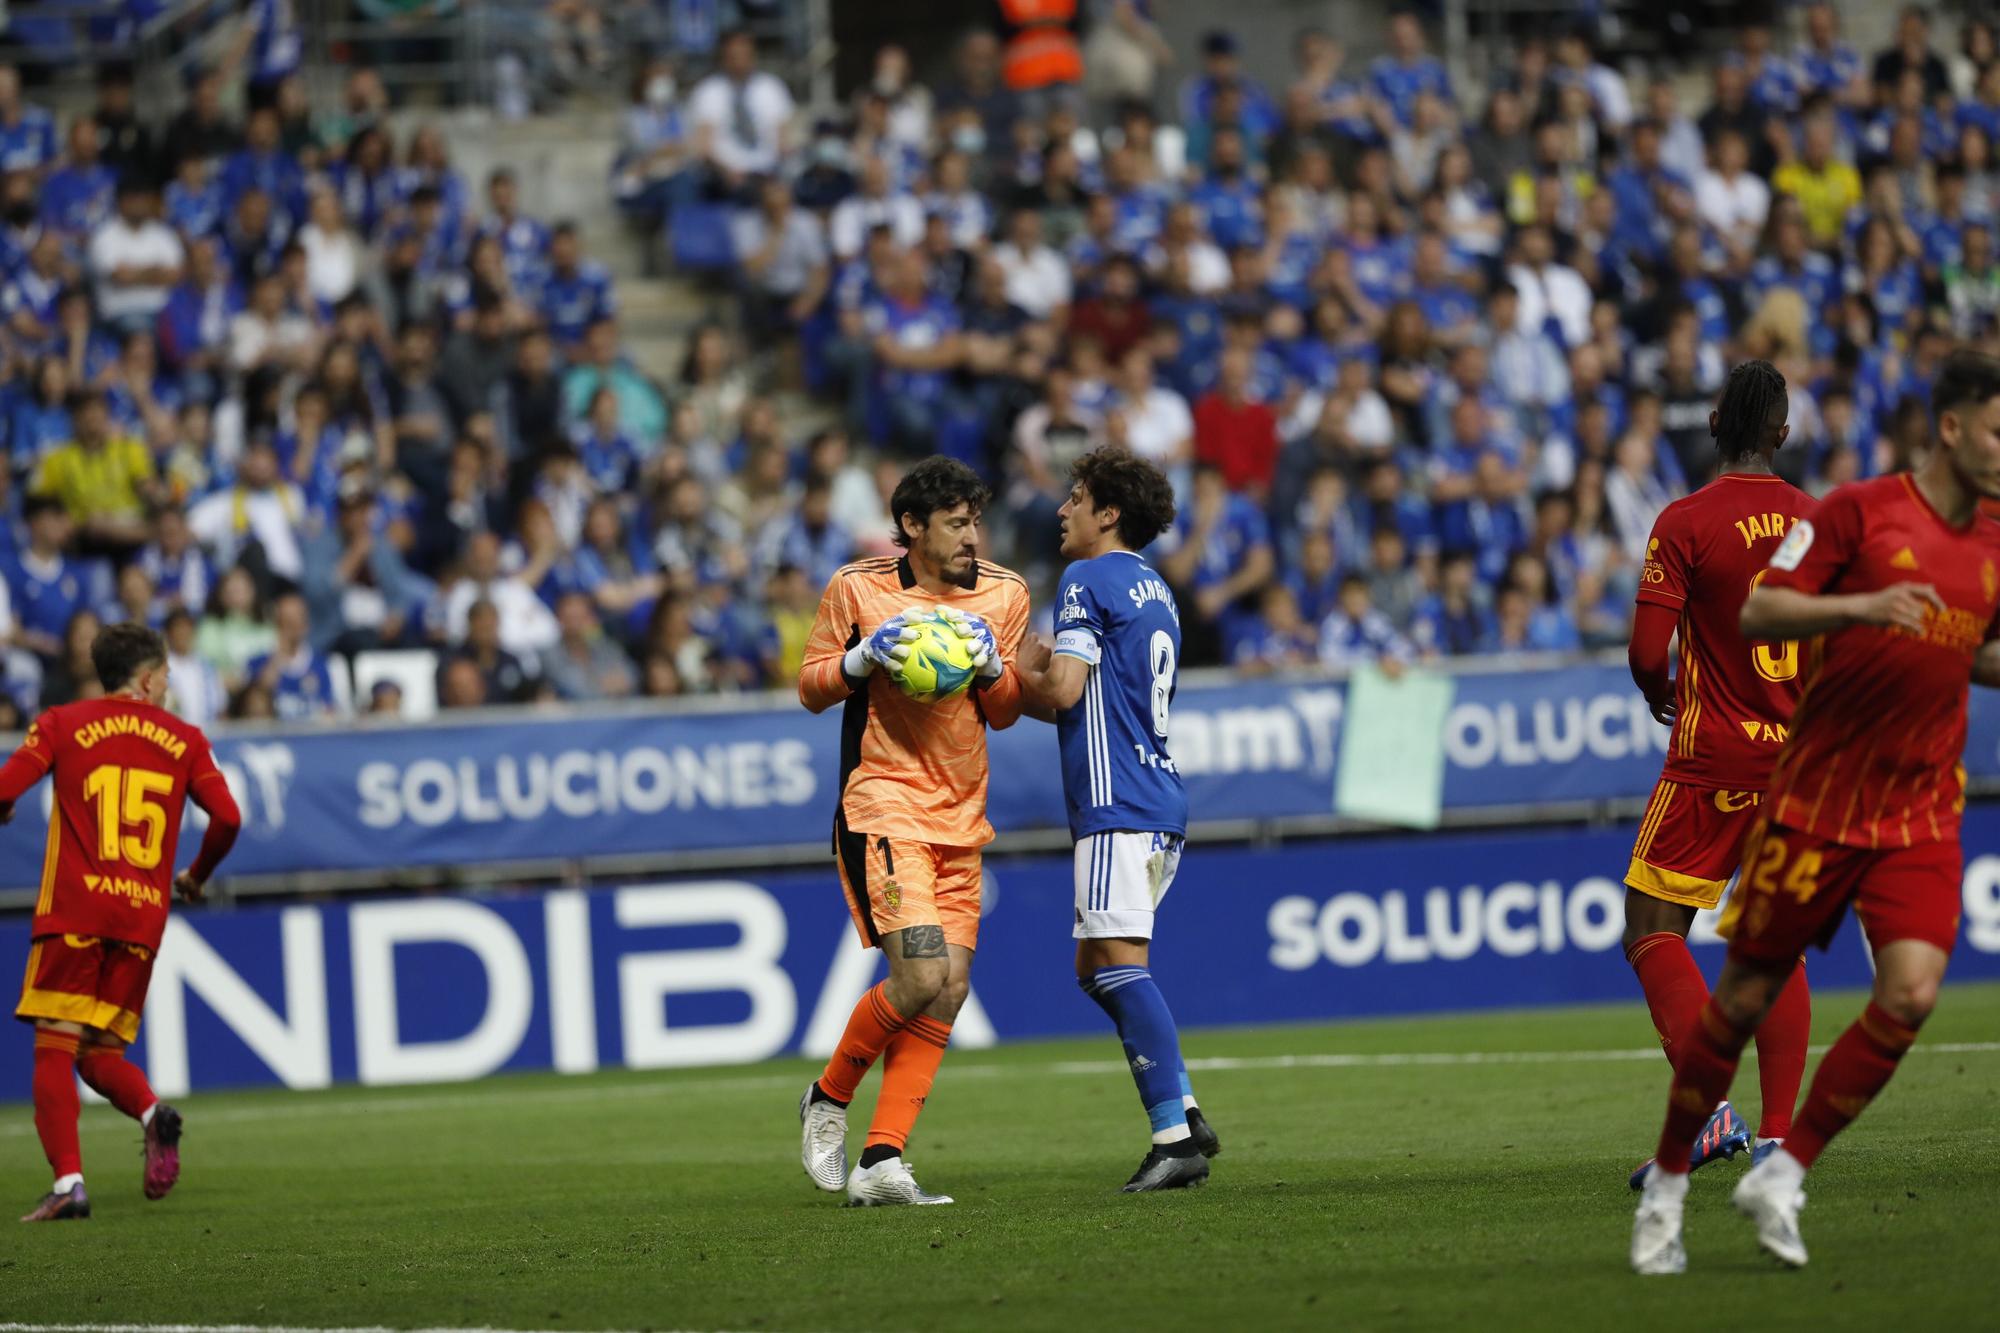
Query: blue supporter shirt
1139, 215
1817, 282
1445, 306
280, 43
573, 302
76, 199
304, 687
1897, 294
367, 200
525, 244
1709, 308
1399, 84
1289, 276
1199, 327
1380, 269
609, 461
1830, 71
1242, 530
30, 143
1116, 615
33, 293
1260, 114
1231, 210
195, 211
277, 173
916, 324
47, 594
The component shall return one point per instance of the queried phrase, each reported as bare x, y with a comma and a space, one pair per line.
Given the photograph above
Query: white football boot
887, 1182
1656, 1229
823, 1141
1769, 1195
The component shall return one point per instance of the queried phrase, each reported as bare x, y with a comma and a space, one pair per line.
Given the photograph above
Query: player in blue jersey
1107, 682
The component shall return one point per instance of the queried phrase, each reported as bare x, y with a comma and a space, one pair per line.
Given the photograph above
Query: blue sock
1152, 1046
1187, 1087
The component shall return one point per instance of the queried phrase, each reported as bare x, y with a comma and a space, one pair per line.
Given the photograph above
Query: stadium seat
413, 670
700, 238
342, 677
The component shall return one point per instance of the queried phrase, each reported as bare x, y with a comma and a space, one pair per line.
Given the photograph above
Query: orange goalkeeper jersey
907, 769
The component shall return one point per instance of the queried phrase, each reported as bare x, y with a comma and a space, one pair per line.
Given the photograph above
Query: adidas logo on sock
1140, 1064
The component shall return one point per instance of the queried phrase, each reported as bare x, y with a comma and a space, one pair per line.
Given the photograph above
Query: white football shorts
1120, 879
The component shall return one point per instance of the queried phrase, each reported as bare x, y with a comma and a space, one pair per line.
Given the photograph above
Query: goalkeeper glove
978, 640
887, 647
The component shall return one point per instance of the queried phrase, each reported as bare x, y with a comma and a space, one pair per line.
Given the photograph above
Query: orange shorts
893, 883
1691, 842
1796, 887
83, 979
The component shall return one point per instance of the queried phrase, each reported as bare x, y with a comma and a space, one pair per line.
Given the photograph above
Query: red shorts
894, 883
83, 979
1796, 887
1691, 842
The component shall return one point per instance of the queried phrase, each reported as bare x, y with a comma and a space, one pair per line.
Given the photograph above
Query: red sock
117, 1080
1859, 1066
908, 1068
56, 1102
1781, 1055
869, 1029
1703, 1069
1675, 989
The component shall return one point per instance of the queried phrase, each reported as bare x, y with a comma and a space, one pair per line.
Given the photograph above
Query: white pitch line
282, 1108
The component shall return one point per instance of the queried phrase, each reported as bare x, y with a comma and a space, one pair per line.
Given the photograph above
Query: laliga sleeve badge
1793, 549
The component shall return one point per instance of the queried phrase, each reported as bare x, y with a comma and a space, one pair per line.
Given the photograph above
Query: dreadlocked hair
1743, 414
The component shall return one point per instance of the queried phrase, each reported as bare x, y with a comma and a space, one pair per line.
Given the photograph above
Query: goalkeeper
911, 815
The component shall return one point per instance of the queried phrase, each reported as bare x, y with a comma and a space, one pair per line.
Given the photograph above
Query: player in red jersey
1896, 581
124, 770
1729, 707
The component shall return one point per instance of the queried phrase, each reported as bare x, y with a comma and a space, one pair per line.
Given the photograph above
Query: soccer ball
939, 665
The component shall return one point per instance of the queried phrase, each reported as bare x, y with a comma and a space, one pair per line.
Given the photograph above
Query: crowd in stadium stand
1424, 367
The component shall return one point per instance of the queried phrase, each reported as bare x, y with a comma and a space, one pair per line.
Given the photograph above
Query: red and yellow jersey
907, 769
123, 771
1736, 697
1873, 757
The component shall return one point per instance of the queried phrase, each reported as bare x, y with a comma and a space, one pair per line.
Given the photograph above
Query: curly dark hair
1140, 492
934, 484
122, 651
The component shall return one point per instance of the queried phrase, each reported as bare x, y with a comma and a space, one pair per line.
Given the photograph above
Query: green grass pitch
1363, 1192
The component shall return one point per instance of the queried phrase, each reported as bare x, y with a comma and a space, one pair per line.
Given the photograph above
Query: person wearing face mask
652, 163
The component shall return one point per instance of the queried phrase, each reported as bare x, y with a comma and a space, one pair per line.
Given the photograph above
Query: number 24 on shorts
1770, 875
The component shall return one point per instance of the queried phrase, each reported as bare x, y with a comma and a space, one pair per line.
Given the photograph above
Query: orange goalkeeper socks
870, 1028
908, 1069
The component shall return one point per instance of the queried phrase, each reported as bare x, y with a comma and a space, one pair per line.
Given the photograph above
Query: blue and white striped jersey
1117, 616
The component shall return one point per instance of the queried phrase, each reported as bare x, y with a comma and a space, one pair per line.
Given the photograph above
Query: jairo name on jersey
90, 733
1153, 590
1758, 527
140, 895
